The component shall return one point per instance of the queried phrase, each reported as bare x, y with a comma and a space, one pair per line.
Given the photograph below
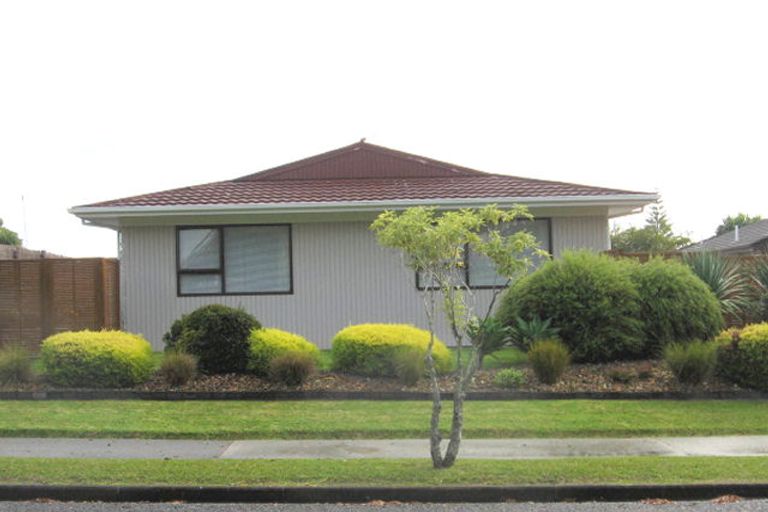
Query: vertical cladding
340, 277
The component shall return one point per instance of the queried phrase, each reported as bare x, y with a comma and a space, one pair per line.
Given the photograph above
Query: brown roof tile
361, 172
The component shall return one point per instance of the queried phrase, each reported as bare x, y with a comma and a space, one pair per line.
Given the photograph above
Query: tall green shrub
590, 298
675, 305
268, 344
217, 335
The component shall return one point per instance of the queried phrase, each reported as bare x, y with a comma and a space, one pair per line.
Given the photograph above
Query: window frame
467, 275
221, 270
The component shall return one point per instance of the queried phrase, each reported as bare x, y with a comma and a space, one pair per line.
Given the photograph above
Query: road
742, 506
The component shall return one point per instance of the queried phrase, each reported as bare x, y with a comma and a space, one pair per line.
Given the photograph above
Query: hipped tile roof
361, 172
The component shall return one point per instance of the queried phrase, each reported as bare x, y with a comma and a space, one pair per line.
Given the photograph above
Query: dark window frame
221, 269
467, 275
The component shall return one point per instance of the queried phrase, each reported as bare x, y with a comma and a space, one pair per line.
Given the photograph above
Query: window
234, 260
480, 272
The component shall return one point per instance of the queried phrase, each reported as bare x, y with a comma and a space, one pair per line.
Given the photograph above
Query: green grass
372, 419
384, 472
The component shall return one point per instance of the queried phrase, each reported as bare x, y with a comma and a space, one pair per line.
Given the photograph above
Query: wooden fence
45, 296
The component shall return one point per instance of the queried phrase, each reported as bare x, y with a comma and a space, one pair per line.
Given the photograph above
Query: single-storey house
292, 246
751, 239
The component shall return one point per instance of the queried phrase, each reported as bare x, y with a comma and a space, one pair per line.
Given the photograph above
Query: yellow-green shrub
96, 359
269, 343
742, 357
371, 349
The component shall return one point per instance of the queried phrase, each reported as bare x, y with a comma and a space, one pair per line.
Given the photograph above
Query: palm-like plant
727, 280
760, 281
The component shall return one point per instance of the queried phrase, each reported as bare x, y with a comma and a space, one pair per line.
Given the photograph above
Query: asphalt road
742, 506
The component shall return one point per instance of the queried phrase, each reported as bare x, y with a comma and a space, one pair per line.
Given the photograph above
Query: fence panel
45, 296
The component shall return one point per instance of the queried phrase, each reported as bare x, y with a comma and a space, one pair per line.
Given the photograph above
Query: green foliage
730, 222
759, 274
622, 376
103, 359
527, 332
675, 305
8, 237
370, 349
743, 356
409, 365
549, 360
217, 335
509, 378
15, 365
656, 236
691, 363
590, 298
488, 335
292, 368
726, 279
178, 368
269, 343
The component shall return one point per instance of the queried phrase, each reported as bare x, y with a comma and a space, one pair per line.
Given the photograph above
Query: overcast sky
101, 99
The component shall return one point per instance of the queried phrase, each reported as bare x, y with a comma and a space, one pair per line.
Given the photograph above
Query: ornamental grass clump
15, 365
292, 368
409, 365
549, 360
178, 368
691, 363
96, 359
268, 343
743, 356
371, 349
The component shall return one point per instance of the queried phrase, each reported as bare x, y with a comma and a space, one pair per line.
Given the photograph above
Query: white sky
101, 99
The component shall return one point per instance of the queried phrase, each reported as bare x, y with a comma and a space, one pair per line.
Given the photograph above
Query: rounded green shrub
675, 305
15, 365
509, 378
372, 349
590, 298
103, 359
742, 356
549, 360
217, 335
269, 343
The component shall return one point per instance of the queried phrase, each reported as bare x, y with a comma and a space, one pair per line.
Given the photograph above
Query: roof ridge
456, 170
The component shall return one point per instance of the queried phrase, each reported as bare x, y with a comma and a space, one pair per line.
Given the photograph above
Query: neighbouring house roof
360, 174
751, 236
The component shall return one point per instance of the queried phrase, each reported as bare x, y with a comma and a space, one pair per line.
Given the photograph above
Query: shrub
217, 335
178, 368
622, 376
527, 332
742, 356
691, 363
105, 359
369, 349
675, 305
727, 280
269, 343
509, 378
589, 297
409, 365
549, 359
15, 365
291, 368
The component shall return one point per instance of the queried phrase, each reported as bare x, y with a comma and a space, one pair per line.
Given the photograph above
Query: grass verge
384, 472
377, 419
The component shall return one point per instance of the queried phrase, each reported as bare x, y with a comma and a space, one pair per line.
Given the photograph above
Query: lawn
377, 419
384, 472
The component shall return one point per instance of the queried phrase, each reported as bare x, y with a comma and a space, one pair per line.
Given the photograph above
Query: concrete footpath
729, 446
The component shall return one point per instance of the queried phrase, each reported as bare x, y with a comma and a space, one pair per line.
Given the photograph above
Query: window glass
257, 259
191, 284
481, 270
199, 249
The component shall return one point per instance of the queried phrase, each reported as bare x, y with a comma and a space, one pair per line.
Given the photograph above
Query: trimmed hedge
742, 357
675, 305
590, 298
217, 335
105, 359
268, 343
372, 349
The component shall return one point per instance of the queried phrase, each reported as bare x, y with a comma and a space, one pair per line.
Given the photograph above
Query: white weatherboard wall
340, 277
